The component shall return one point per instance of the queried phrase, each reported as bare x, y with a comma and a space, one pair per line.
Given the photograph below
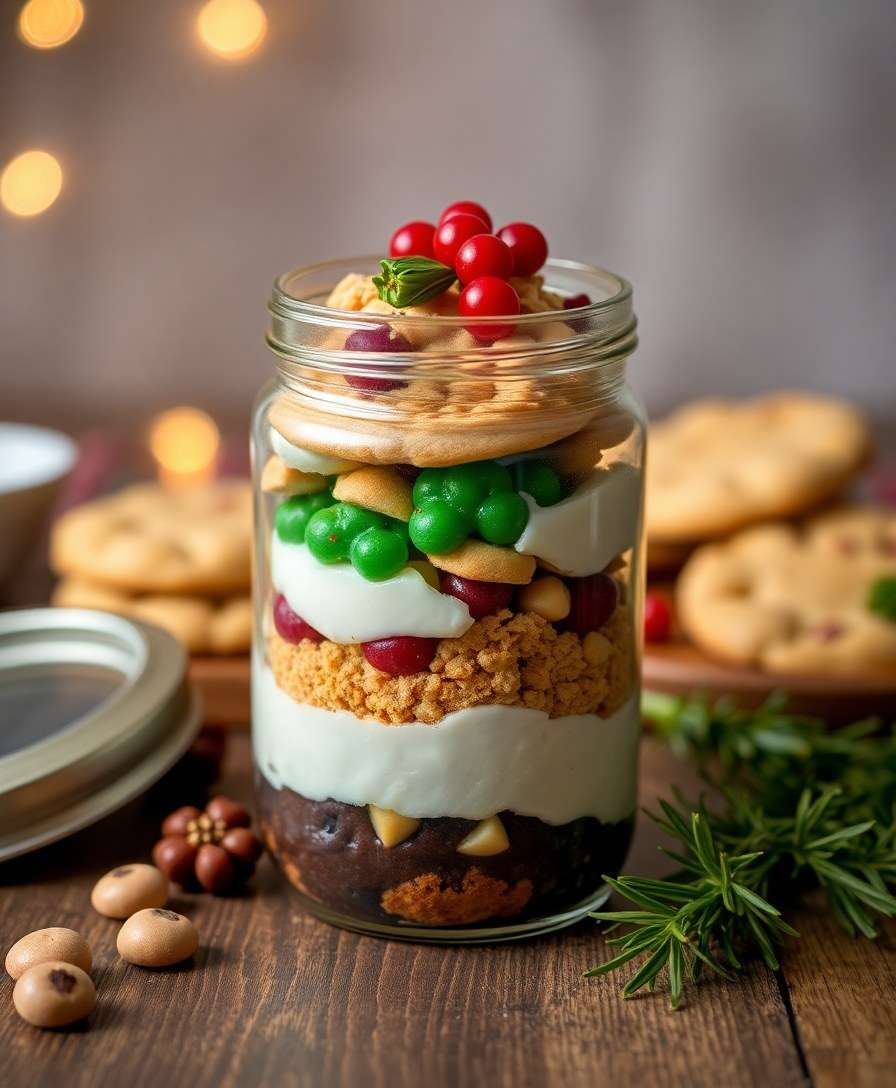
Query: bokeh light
30, 183
232, 29
46, 24
184, 441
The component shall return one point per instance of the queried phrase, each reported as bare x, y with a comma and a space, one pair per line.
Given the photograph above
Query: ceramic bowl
33, 463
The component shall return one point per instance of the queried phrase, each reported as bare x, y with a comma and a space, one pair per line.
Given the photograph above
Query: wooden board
678, 668
275, 997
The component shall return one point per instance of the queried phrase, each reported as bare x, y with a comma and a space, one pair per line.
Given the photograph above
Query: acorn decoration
212, 847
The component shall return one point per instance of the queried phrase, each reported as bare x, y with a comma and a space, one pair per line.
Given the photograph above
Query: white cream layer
472, 764
581, 534
345, 607
306, 460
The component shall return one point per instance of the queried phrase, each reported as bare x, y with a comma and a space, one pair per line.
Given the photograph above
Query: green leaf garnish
801, 806
408, 281
882, 598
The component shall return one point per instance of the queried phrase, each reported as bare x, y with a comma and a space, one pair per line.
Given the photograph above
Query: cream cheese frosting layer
584, 532
345, 607
307, 460
473, 764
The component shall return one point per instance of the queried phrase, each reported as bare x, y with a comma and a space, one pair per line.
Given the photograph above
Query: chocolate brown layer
330, 850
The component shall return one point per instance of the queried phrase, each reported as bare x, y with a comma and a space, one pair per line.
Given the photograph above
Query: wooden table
277, 998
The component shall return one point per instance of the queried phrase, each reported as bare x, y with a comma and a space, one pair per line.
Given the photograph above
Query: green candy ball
292, 516
502, 517
353, 520
540, 481
464, 488
436, 528
495, 476
428, 485
324, 537
378, 553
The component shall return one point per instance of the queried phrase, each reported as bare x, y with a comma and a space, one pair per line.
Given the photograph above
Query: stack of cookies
178, 559
770, 579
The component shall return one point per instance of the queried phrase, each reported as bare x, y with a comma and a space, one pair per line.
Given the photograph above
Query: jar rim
613, 312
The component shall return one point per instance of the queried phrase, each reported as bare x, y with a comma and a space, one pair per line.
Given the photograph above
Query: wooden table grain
274, 997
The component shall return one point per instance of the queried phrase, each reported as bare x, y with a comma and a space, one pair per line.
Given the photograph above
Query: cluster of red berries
594, 600
484, 261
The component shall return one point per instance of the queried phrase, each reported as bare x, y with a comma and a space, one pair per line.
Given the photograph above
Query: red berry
482, 598
594, 600
574, 301
290, 626
452, 233
657, 618
377, 339
466, 207
400, 655
528, 246
483, 255
489, 297
413, 240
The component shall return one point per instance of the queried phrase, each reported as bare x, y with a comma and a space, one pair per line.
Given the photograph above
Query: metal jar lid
94, 709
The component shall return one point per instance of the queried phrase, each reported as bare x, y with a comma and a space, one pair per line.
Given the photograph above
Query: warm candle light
232, 29
48, 23
184, 442
30, 183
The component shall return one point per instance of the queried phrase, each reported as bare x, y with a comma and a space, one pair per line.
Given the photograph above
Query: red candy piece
400, 655
594, 600
290, 626
176, 858
574, 301
377, 339
230, 813
466, 207
489, 297
214, 869
528, 246
413, 240
452, 233
657, 618
482, 598
176, 823
483, 255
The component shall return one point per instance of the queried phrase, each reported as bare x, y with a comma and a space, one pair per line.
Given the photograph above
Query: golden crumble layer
508, 659
429, 900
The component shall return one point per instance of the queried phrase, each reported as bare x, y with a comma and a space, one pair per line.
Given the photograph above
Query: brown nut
177, 822
214, 869
53, 994
232, 813
547, 597
240, 843
43, 945
129, 888
175, 857
157, 938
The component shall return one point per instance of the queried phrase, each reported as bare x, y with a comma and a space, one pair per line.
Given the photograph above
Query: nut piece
390, 827
43, 945
129, 888
53, 994
486, 563
157, 938
547, 597
488, 837
376, 487
283, 480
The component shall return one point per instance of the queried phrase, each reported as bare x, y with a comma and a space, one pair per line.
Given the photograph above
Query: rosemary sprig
798, 806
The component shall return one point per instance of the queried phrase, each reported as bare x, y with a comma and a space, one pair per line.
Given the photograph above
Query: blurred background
736, 161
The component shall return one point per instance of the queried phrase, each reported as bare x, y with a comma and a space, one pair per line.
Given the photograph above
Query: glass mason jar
448, 606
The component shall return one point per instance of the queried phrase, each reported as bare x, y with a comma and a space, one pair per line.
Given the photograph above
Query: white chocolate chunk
307, 460
391, 828
488, 837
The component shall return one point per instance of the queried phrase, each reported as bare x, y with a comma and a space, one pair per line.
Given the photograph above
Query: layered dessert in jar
449, 482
